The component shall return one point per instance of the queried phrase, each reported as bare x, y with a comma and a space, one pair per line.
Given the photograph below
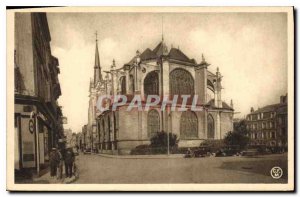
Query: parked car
202, 151
189, 153
228, 151
250, 152
87, 151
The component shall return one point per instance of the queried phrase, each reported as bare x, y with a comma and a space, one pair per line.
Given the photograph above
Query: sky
250, 50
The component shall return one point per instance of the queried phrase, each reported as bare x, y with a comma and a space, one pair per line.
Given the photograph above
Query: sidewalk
171, 156
46, 178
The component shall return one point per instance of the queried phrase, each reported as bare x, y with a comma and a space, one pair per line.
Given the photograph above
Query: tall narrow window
131, 84
188, 125
153, 122
210, 127
151, 84
123, 85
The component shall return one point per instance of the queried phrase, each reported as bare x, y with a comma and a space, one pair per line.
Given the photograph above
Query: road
99, 169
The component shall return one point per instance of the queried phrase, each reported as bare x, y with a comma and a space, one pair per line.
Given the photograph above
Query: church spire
97, 68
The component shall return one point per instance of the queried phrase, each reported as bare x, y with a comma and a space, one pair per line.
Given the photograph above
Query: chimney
283, 99
252, 109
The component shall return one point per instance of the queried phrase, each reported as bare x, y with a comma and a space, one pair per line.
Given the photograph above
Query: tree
237, 137
161, 140
241, 127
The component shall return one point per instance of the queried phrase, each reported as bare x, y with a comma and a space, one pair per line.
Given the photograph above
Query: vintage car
228, 151
202, 151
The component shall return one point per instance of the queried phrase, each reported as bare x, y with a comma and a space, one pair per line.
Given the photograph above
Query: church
159, 71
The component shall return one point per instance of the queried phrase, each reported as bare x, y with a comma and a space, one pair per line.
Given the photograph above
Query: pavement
53, 180
137, 169
47, 179
105, 169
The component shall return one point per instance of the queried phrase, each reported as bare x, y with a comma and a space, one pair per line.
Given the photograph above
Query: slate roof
148, 55
175, 54
270, 108
224, 105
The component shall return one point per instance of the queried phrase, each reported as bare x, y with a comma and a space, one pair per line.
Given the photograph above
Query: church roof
174, 53
224, 105
148, 54
177, 54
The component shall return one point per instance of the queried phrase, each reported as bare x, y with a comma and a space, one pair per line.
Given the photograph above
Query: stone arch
181, 82
210, 127
153, 122
151, 84
188, 125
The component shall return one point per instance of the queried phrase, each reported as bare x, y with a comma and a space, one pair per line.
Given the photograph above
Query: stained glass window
188, 125
151, 84
123, 85
181, 82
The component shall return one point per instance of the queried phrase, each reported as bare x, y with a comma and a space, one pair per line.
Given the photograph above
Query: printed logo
276, 172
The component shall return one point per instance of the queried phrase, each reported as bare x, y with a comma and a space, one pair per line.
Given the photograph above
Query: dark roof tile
224, 105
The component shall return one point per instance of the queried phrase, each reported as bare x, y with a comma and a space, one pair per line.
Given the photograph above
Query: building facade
159, 72
268, 125
38, 123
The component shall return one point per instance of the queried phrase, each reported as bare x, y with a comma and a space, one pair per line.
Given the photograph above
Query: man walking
53, 162
69, 160
60, 164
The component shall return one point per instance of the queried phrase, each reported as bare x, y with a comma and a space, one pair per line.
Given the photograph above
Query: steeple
97, 68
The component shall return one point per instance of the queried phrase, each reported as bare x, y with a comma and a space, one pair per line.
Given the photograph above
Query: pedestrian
60, 164
69, 160
53, 162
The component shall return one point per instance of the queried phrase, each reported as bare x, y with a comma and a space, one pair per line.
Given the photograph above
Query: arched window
153, 122
151, 84
188, 125
210, 127
181, 82
131, 84
123, 85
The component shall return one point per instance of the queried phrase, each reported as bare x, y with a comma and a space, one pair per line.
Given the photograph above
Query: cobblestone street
99, 169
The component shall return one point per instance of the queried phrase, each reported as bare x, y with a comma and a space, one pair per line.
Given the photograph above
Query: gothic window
153, 122
131, 84
181, 82
123, 85
210, 127
188, 125
151, 84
